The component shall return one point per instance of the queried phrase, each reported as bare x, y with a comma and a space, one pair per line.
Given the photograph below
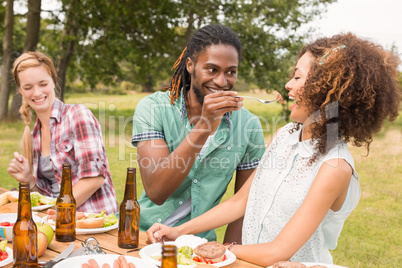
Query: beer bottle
25, 233
169, 256
129, 214
65, 208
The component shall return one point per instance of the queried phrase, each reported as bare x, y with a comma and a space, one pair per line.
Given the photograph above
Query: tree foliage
109, 41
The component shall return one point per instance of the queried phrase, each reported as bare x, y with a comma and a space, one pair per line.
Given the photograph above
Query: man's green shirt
238, 144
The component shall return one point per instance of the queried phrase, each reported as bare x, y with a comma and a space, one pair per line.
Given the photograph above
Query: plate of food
6, 254
100, 259
191, 251
38, 201
88, 223
41, 207
294, 264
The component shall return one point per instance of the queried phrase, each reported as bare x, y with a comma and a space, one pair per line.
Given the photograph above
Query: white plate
308, 264
9, 258
101, 259
88, 230
96, 230
39, 208
156, 250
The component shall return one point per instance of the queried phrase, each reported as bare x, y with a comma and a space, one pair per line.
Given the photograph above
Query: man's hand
217, 104
159, 233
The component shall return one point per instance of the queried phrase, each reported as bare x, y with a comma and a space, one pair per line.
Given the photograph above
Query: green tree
31, 41
139, 32
272, 36
7, 58
270, 32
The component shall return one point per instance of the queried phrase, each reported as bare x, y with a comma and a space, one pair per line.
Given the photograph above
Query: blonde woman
62, 133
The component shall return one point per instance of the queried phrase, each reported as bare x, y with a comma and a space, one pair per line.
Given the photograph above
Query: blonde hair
25, 61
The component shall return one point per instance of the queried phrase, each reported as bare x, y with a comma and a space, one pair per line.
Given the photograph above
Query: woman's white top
280, 185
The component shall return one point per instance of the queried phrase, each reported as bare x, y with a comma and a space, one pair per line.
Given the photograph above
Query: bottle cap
131, 169
66, 165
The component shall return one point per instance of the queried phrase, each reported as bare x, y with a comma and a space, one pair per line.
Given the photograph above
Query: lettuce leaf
184, 256
109, 220
3, 245
184, 260
186, 250
37, 198
96, 215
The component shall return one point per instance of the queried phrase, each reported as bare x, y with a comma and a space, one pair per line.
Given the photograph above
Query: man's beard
199, 95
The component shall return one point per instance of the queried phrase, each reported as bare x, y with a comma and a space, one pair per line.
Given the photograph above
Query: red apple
42, 243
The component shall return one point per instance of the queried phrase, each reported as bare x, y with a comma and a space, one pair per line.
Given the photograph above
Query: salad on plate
191, 251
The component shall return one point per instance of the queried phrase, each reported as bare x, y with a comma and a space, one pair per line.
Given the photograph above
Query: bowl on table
6, 232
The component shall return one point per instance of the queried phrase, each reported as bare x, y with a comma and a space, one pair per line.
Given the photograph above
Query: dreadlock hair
213, 34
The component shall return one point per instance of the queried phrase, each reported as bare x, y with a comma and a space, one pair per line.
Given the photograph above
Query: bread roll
9, 208
12, 196
90, 223
3, 199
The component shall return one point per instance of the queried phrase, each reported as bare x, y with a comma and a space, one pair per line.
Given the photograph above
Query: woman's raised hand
19, 168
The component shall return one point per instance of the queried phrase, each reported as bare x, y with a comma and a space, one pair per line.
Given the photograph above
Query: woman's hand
19, 169
159, 233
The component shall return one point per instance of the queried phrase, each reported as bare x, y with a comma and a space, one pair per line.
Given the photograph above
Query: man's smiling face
215, 70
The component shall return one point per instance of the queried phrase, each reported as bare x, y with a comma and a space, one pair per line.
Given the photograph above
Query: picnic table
108, 242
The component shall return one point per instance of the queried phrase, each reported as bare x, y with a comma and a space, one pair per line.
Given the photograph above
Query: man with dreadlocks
192, 138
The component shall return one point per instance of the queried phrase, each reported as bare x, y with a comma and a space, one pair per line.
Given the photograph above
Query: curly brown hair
351, 88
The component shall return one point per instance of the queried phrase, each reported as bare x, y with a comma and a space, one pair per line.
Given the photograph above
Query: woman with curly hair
306, 185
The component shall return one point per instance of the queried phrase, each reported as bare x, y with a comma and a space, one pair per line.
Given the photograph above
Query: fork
260, 100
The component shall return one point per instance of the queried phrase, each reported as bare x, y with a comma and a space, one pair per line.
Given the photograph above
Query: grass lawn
371, 236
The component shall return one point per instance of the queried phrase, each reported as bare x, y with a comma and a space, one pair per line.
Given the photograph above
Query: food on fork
279, 97
288, 264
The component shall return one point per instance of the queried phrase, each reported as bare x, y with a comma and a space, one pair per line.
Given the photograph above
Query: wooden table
108, 242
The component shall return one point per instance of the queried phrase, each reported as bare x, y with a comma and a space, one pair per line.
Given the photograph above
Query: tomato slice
196, 258
3, 255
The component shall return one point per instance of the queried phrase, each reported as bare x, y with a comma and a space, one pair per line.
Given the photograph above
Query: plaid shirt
76, 138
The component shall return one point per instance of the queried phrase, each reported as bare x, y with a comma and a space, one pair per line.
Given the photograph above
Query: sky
379, 21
